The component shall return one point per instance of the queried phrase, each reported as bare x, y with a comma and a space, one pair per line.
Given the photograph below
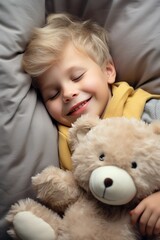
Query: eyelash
56, 95
78, 78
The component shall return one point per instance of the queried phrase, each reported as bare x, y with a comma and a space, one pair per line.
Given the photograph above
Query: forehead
121, 132
71, 56
72, 59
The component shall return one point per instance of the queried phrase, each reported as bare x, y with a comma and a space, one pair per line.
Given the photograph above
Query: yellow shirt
125, 102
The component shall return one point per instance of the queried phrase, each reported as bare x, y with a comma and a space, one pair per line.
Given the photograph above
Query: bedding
28, 137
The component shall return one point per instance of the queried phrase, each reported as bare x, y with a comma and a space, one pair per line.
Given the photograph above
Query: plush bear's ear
156, 127
80, 128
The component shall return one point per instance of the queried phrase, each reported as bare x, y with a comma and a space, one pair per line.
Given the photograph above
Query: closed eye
53, 97
77, 78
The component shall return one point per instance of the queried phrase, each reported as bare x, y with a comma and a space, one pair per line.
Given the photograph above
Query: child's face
75, 86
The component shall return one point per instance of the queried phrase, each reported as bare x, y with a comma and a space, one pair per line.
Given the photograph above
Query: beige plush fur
129, 145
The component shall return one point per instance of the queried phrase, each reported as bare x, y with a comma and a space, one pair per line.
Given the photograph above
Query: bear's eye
134, 165
101, 157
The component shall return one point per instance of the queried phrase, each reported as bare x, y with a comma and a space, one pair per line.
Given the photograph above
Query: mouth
78, 106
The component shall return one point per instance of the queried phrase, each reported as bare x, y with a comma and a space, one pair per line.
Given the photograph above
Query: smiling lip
78, 106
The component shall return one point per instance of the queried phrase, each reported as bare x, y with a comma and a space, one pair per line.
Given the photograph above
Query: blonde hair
47, 43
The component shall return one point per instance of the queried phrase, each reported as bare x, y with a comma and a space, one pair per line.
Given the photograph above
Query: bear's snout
112, 185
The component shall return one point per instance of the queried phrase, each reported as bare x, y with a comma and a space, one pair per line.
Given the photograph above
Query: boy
73, 70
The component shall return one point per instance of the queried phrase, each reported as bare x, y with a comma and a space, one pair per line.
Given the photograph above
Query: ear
80, 128
110, 72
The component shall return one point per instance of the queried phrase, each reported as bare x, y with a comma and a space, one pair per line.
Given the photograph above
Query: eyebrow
74, 68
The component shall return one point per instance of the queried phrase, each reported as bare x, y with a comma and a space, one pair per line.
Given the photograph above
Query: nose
108, 182
69, 92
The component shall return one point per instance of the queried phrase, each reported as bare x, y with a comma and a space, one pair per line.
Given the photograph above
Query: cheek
95, 85
91, 84
54, 108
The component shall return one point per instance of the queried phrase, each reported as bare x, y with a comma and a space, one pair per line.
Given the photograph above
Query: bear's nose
108, 182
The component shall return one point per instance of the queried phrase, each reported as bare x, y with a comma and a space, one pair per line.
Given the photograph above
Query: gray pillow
28, 138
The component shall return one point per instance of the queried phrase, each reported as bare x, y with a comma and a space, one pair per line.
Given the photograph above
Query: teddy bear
116, 163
